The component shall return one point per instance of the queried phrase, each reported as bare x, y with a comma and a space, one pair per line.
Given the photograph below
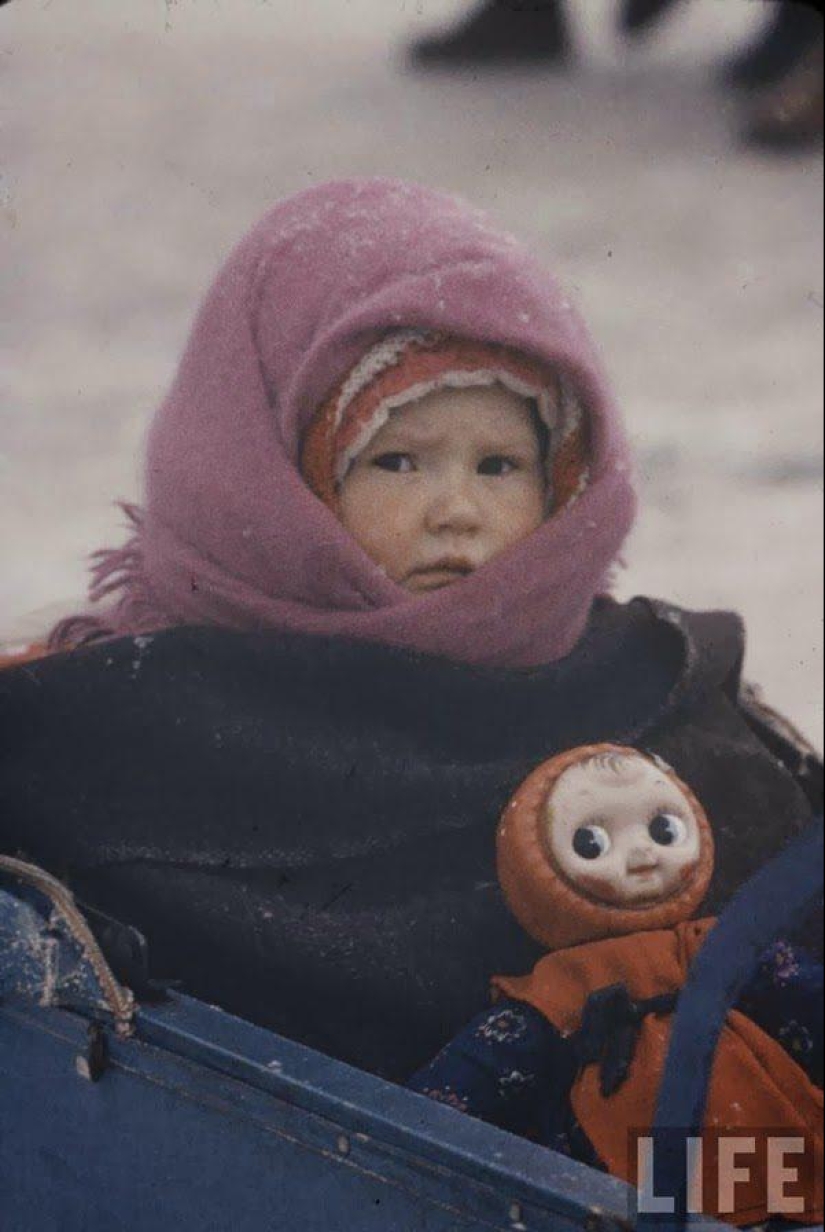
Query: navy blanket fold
304, 828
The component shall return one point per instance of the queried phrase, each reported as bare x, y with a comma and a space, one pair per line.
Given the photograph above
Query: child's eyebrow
402, 435
398, 438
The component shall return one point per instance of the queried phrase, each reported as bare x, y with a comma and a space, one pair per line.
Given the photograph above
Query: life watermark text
725, 1172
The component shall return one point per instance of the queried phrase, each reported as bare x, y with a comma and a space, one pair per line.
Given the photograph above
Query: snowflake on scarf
503, 1027
785, 965
513, 1083
796, 1038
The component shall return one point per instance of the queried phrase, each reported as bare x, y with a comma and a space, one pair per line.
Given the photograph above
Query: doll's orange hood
547, 905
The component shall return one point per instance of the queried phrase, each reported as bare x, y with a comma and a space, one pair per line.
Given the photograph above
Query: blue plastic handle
767, 907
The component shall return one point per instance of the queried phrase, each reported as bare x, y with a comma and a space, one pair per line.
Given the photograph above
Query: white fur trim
478, 378
570, 410
383, 355
560, 420
584, 480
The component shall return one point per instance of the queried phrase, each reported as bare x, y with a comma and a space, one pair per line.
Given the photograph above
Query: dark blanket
304, 828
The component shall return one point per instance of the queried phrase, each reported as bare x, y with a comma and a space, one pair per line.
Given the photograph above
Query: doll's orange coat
754, 1083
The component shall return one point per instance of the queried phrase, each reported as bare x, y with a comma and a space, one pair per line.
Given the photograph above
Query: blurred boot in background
793, 27
789, 115
499, 32
636, 15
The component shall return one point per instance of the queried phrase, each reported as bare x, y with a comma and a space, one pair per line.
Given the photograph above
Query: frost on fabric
41, 961
357, 244
141, 642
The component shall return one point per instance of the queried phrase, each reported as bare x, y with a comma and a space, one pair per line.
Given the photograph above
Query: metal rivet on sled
93, 1065
516, 1215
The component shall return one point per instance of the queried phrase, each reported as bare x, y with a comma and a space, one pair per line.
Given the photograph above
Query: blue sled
178, 1117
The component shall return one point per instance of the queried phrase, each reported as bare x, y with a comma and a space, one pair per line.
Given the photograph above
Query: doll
604, 854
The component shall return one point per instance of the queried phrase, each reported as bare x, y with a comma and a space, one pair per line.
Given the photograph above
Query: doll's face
622, 831
445, 485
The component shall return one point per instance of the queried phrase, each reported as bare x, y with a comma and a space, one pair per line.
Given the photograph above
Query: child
365, 592
603, 855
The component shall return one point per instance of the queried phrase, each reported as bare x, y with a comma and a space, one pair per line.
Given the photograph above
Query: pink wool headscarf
231, 535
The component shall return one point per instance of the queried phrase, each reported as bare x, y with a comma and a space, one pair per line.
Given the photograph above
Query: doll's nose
640, 858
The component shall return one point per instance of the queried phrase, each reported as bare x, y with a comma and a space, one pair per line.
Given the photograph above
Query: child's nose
452, 506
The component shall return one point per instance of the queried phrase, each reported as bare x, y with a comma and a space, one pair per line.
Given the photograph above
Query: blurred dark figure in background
783, 63
499, 32
789, 114
791, 28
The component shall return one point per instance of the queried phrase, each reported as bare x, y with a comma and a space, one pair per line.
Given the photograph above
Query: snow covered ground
141, 138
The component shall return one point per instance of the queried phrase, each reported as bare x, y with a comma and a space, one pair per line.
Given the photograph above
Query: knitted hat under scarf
406, 366
230, 532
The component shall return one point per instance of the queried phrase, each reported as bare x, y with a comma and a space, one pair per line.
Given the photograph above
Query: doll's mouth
644, 872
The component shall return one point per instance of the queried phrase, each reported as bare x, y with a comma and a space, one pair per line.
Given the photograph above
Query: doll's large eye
667, 829
590, 842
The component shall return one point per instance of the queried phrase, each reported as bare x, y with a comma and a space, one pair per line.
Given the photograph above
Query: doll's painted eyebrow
617, 765
674, 807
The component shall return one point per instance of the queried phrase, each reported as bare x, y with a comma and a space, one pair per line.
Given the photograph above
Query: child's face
445, 485
622, 831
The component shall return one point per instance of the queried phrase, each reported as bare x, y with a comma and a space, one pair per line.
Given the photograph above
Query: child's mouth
440, 573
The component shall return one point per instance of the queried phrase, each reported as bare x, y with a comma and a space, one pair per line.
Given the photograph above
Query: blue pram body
125, 1117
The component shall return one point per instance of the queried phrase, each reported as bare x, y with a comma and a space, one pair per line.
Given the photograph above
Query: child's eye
398, 463
496, 464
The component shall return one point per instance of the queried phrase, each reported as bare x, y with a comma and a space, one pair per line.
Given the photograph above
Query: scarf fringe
121, 570
112, 570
